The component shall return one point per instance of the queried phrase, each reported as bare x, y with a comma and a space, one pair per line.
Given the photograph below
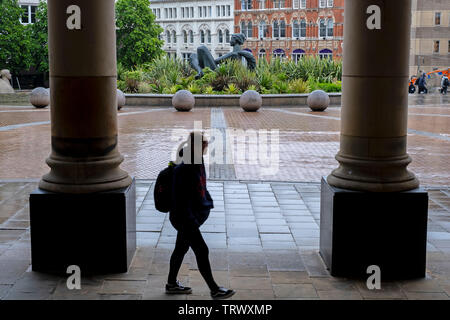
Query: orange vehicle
412, 81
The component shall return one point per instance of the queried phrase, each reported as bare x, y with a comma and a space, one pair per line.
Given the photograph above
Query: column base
360, 229
95, 231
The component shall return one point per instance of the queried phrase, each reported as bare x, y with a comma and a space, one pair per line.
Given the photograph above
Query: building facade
430, 36
291, 28
189, 24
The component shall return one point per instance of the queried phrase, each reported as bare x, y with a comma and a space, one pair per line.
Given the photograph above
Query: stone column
82, 52
372, 154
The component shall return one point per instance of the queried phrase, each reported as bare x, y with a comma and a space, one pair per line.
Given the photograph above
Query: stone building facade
291, 28
430, 36
189, 24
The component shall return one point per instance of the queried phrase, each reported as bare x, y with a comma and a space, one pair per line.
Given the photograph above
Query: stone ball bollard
183, 100
318, 100
40, 97
121, 100
250, 101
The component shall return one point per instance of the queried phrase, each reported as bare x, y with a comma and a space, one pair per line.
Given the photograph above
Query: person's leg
181, 247
201, 252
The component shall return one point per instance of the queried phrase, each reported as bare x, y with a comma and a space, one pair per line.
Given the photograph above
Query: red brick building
291, 28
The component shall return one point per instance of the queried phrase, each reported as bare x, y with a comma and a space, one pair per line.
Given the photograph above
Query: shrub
298, 86
330, 87
232, 89
194, 88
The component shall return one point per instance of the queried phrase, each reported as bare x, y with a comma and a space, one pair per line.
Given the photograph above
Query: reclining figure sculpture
203, 58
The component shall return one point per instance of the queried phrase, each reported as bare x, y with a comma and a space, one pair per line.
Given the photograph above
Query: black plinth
96, 231
359, 229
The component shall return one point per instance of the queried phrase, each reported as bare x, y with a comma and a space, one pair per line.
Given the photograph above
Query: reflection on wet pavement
307, 141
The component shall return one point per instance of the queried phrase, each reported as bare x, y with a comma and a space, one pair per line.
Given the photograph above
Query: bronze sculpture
203, 58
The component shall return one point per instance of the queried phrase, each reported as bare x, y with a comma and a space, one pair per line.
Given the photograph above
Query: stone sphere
40, 97
120, 99
250, 101
318, 100
183, 100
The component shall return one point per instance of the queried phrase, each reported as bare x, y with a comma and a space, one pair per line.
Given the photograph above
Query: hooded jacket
191, 201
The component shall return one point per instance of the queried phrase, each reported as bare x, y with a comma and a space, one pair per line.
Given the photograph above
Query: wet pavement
263, 233
263, 240
274, 144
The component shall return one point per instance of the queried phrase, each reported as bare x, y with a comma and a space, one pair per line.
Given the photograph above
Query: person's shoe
222, 293
177, 288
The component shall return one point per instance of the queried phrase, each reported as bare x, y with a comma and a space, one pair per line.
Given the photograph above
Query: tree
137, 33
14, 38
39, 39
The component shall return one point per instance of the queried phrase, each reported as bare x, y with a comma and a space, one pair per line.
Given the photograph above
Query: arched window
208, 33
303, 28
330, 28
174, 36
220, 36
168, 36
202, 36
227, 35
185, 37
191, 36
322, 28
326, 54
243, 27
279, 54
261, 53
295, 29
297, 54
249, 30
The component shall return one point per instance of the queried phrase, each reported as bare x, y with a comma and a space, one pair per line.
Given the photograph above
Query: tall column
374, 115
82, 50
84, 212
373, 216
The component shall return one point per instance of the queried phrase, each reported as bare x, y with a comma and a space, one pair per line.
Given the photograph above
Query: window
330, 28
209, 11
322, 28
246, 4
247, 29
295, 29
182, 12
175, 12
279, 4
200, 12
186, 57
436, 46
295, 4
437, 19
218, 11
191, 36
227, 36
263, 30
322, 3
297, 54
302, 4
185, 37
192, 12
261, 53
262, 4
279, 29
448, 46
166, 13
202, 36
168, 36
208, 33
279, 54
330, 3
229, 10
174, 36
326, 54
220, 36
303, 28
29, 14
223, 11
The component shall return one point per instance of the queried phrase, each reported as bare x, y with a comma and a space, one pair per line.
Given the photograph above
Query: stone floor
303, 143
263, 240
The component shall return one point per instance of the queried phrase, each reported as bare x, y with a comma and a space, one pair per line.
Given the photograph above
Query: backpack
162, 193
446, 83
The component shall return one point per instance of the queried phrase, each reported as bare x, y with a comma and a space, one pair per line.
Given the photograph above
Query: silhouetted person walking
444, 84
191, 204
422, 84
